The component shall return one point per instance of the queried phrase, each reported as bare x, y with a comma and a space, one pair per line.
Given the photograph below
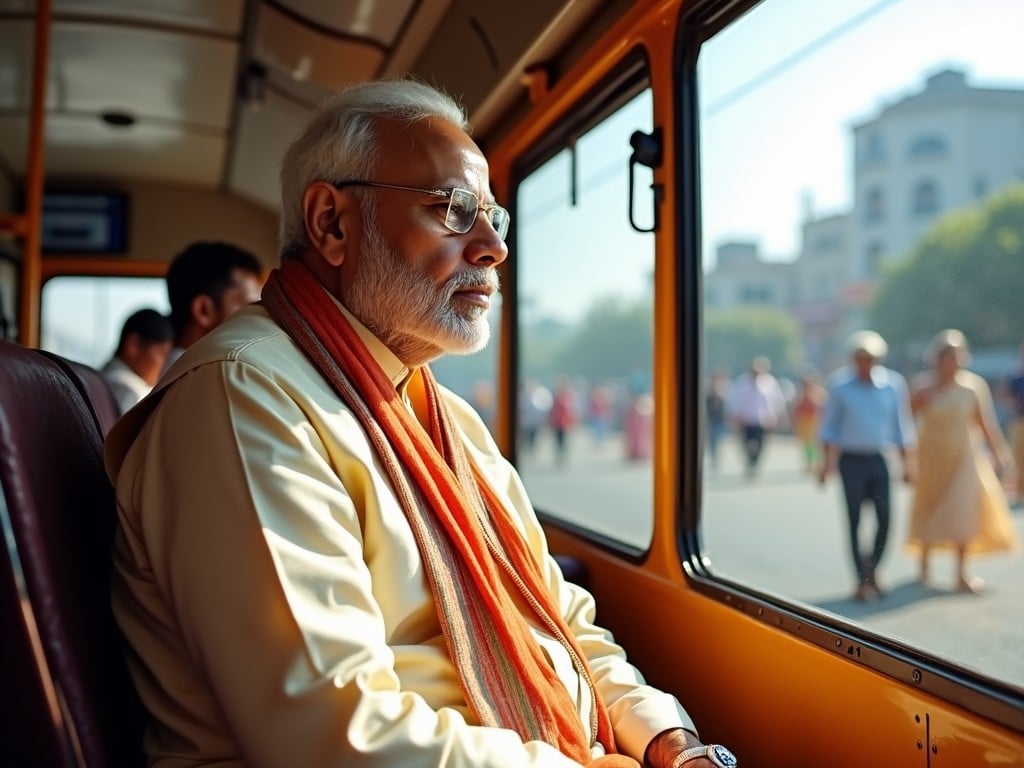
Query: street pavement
786, 534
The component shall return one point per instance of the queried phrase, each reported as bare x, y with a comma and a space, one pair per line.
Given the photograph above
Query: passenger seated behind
322, 558
141, 352
207, 283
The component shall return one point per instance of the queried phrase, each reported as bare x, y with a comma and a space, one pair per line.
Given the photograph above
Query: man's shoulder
891, 377
249, 335
840, 379
114, 370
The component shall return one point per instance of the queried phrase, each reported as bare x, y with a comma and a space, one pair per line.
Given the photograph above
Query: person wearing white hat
868, 410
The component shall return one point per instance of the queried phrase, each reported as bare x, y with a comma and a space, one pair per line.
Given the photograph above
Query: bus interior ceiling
184, 104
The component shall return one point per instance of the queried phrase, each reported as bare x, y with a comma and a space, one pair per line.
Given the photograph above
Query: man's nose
486, 248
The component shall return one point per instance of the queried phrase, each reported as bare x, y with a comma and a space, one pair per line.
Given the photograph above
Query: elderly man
334, 566
867, 411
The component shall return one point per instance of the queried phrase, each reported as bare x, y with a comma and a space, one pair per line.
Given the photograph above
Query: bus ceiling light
117, 118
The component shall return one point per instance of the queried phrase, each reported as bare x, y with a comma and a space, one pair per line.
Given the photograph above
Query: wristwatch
716, 753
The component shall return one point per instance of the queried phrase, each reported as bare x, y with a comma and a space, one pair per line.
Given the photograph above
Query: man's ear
326, 218
204, 311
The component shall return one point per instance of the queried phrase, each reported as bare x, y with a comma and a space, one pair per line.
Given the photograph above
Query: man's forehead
435, 151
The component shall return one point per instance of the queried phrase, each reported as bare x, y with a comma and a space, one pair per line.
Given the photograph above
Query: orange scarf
466, 538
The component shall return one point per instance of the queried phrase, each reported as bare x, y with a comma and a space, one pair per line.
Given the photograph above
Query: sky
807, 110
764, 82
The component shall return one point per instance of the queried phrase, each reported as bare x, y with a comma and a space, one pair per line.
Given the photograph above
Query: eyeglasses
463, 206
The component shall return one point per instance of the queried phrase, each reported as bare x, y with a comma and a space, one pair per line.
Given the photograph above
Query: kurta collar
396, 371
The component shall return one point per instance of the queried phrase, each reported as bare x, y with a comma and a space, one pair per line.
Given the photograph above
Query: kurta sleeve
638, 712
244, 589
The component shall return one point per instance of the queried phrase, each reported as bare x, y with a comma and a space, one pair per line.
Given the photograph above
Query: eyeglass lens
463, 209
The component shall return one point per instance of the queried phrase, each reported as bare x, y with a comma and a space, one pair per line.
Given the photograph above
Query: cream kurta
272, 591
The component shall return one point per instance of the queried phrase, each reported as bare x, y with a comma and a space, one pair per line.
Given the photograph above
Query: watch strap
716, 753
689, 754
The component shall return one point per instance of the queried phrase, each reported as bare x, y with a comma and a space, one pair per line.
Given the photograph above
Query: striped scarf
470, 546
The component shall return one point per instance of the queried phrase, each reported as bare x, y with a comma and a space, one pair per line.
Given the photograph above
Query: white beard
406, 310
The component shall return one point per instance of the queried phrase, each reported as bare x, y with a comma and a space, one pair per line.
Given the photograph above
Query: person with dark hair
323, 559
756, 405
141, 352
206, 283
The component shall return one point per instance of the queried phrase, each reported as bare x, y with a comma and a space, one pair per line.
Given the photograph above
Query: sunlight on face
412, 315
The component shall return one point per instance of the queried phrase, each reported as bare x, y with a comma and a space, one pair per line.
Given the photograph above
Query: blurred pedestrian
715, 411
867, 411
959, 502
563, 417
807, 407
534, 405
756, 405
600, 411
638, 426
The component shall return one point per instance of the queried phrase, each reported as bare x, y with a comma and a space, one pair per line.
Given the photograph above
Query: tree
615, 339
965, 272
734, 337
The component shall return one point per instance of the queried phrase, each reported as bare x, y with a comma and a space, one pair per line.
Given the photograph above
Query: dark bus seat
67, 698
94, 389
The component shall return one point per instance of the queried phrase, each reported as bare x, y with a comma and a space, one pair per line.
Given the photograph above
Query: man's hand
668, 745
829, 462
823, 473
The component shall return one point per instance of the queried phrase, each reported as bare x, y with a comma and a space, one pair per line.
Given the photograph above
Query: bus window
473, 377
863, 169
584, 405
81, 317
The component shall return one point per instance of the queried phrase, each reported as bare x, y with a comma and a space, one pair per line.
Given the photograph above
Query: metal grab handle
646, 152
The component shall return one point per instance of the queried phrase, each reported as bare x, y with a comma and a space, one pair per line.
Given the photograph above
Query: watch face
723, 757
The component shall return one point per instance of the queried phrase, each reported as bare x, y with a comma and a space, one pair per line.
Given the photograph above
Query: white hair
340, 142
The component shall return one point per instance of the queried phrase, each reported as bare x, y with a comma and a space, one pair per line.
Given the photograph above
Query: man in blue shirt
868, 410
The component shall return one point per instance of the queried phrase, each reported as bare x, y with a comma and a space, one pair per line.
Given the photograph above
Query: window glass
82, 316
473, 377
800, 178
926, 198
585, 318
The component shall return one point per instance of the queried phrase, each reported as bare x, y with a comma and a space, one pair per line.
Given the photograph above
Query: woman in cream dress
958, 499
